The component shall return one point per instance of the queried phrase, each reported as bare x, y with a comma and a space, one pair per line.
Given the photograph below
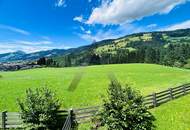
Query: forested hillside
170, 48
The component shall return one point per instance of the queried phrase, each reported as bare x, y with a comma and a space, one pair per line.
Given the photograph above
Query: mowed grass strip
93, 83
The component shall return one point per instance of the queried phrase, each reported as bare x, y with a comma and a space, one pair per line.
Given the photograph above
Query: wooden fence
82, 115
68, 122
156, 99
153, 100
10, 120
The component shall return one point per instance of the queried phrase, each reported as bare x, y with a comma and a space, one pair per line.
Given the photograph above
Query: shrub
124, 110
39, 110
1, 76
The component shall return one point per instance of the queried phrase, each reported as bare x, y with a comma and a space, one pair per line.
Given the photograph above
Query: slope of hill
11, 56
168, 48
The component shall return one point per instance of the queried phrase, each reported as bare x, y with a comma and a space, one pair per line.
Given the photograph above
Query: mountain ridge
122, 42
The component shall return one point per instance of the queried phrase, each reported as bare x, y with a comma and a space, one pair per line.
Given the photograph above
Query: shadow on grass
112, 77
75, 82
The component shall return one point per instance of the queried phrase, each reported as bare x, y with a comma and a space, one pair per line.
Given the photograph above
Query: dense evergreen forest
165, 48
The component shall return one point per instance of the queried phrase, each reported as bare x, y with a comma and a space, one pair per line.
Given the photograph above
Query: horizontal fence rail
83, 115
156, 99
12, 120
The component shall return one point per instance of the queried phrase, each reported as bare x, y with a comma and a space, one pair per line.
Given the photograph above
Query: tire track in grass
75, 81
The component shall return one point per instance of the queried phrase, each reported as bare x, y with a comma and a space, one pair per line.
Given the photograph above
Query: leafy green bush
124, 110
1, 76
39, 110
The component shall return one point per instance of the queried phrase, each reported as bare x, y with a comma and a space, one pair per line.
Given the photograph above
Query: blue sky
35, 25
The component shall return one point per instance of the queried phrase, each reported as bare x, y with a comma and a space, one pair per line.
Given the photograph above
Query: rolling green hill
127, 49
166, 48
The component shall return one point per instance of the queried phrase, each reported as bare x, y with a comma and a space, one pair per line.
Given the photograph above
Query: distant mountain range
107, 46
22, 56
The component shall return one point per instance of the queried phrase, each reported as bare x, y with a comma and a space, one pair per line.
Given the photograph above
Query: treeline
48, 62
170, 55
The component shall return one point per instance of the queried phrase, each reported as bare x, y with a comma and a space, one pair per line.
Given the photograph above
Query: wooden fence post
154, 100
70, 114
184, 90
171, 94
4, 118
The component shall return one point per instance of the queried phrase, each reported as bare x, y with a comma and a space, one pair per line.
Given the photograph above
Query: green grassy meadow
94, 81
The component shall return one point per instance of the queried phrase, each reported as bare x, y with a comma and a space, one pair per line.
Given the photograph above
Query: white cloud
34, 42
152, 25
126, 29
28, 46
182, 25
112, 33
100, 35
122, 11
60, 3
88, 32
12, 47
14, 29
82, 28
79, 18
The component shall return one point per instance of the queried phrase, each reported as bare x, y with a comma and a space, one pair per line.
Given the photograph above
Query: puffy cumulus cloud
122, 11
182, 25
